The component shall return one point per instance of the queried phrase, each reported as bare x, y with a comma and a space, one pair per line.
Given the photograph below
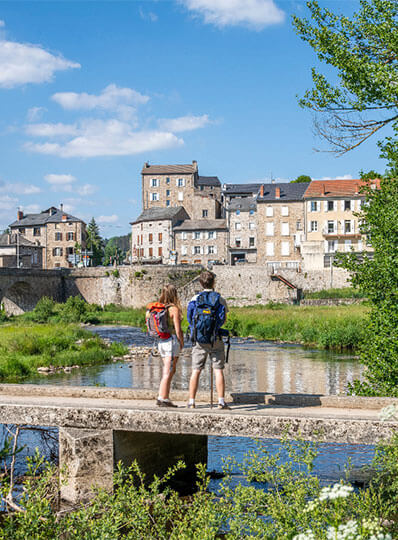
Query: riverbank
28, 346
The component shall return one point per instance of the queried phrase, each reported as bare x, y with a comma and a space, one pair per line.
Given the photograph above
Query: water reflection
253, 366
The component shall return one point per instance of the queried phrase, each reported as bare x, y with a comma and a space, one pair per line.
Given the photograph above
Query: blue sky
90, 90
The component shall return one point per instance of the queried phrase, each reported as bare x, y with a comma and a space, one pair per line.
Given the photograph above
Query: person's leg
173, 366
164, 387
194, 383
220, 382
218, 361
198, 361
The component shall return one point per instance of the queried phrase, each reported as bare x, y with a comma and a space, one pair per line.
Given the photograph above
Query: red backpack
157, 322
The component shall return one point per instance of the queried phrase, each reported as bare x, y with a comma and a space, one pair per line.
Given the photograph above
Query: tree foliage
95, 243
364, 51
116, 248
377, 277
301, 179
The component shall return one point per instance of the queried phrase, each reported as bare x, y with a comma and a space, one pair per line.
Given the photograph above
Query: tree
370, 175
302, 178
377, 277
364, 51
95, 243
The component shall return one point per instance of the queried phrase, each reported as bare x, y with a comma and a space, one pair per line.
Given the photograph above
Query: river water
253, 366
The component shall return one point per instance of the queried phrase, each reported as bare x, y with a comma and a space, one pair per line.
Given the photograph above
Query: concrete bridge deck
98, 426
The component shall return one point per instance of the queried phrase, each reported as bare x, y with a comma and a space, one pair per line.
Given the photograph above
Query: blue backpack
206, 315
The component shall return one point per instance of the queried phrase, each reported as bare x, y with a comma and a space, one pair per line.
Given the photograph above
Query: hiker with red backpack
163, 320
207, 312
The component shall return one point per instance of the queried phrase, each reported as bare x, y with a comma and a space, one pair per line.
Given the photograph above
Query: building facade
281, 225
242, 225
62, 235
16, 251
201, 241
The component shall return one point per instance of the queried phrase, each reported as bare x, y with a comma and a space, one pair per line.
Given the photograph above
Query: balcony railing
342, 231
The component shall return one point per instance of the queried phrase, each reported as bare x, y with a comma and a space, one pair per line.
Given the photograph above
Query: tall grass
325, 327
347, 292
26, 347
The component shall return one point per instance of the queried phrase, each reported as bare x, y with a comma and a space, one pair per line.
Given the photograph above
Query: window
160, 237
238, 242
196, 250
154, 182
251, 212
269, 229
151, 252
202, 188
210, 250
252, 225
21, 230
330, 228
285, 249
69, 250
251, 241
285, 211
237, 212
347, 226
314, 206
347, 245
314, 226
180, 195
196, 235
58, 236
167, 181
285, 229
150, 238
330, 206
331, 246
269, 211
238, 226
181, 182
184, 235
211, 235
204, 213
154, 196
269, 249
36, 231
167, 203
183, 250
159, 251
70, 236
298, 226
57, 252
167, 193
347, 205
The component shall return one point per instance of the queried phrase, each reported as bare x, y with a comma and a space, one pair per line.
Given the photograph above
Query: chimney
61, 206
277, 193
356, 189
323, 190
19, 215
195, 165
146, 164
262, 190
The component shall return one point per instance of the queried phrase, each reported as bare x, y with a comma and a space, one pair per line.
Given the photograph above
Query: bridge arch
18, 298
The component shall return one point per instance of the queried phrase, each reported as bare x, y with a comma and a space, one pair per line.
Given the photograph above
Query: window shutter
335, 226
193, 251
201, 250
342, 206
326, 246
352, 206
335, 205
353, 225
215, 235
215, 250
325, 206
309, 206
193, 236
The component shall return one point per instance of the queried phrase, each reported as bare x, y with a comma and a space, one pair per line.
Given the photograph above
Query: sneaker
161, 403
191, 406
224, 407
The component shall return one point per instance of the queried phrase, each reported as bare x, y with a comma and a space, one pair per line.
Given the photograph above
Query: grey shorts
216, 353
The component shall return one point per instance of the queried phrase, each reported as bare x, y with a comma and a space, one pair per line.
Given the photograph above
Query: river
253, 366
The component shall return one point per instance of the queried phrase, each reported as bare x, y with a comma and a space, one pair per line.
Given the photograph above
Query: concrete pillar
156, 452
86, 460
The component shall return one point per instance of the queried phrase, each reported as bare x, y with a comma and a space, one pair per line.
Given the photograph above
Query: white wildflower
335, 492
308, 535
311, 505
372, 526
381, 536
389, 413
347, 531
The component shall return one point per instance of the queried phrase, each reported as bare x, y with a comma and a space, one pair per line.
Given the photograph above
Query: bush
44, 310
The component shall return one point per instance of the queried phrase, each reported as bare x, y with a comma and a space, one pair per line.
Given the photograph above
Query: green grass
347, 292
324, 327
26, 347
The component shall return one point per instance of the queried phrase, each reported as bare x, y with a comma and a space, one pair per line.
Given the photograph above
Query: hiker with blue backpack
163, 321
207, 312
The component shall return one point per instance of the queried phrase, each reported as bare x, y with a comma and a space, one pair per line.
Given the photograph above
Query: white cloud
112, 98
22, 63
184, 123
148, 15
343, 177
59, 179
87, 189
51, 130
30, 208
108, 138
8, 203
34, 113
107, 219
252, 13
18, 188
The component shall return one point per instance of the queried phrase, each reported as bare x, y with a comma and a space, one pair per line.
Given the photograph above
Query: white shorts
169, 347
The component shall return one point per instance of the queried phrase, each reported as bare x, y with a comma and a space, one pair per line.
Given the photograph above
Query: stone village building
16, 251
56, 231
277, 225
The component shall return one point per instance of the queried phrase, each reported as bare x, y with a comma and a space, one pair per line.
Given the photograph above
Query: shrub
44, 310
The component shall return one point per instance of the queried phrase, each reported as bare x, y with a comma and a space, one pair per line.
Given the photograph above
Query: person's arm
176, 318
